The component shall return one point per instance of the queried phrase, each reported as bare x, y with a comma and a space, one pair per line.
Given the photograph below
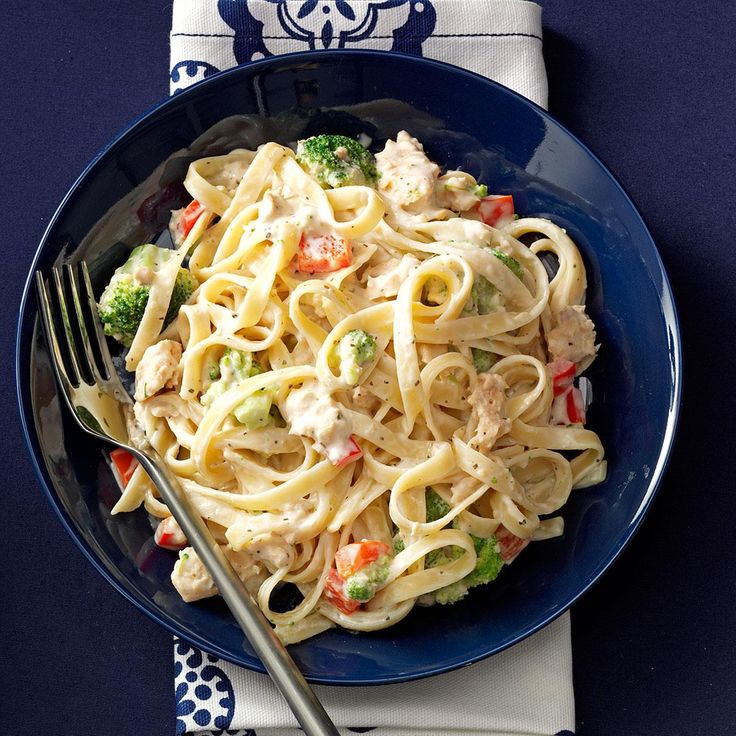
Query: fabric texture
500, 39
526, 690
523, 691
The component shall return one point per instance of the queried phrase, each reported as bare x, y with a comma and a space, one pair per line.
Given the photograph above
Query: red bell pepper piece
562, 372
509, 544
568, 407
353, 557
354, 452
496, 210
575, 406
125, 465
169, 534
335, 593
323, 253
190, 216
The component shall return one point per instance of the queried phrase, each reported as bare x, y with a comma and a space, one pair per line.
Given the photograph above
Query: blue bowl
467, 122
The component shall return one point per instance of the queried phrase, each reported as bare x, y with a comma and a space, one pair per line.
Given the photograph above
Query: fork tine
82, 323
47, 322
112, 379
99, 336
74, 356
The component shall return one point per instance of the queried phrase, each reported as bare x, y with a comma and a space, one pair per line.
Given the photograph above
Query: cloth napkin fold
500, 39
526, 690
523, 691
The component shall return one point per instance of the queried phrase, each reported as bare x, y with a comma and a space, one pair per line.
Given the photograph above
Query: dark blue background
651, 88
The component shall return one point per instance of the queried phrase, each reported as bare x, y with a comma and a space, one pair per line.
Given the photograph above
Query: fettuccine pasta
371, 392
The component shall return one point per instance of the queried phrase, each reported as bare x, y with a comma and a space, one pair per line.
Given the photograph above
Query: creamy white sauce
385, 279
558, 411
271, 550
408, 177
190, 577
280, 205
573, 337
456, 191
311, 412
193, 582
413, 189
349, 366
488, 410
158, 368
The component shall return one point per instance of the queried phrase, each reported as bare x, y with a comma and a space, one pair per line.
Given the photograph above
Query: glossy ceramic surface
467, 122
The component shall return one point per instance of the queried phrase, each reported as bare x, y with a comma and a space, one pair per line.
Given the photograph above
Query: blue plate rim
22, 369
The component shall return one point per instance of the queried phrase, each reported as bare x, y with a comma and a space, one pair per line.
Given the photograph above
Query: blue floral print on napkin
204, 693
325, 24
205, 697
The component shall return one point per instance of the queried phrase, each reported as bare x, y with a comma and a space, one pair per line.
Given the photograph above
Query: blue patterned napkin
501, 39
526, 690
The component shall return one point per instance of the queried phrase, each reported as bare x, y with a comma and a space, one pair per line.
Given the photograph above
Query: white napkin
523, 691
501, 39
526, 690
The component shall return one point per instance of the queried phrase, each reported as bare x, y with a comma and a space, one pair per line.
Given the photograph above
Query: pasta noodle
468, 388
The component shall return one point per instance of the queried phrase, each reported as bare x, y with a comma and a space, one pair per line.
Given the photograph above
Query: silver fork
95, 395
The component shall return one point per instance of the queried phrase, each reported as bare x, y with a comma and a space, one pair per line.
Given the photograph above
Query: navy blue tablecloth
651, 88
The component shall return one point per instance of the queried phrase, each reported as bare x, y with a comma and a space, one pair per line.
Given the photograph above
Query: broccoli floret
455, 591
437, 507
358, 589
336, 161
362, 585
234, 367
442, 556
213, 369
362, 344
398, 544
482, 297
480, 190
121, 308
124, 299
255, 411
509, 261
483, 360
354, 351
184, 287
451, 593
487, 566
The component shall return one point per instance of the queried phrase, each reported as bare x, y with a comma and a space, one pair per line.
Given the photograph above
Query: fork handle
258, 631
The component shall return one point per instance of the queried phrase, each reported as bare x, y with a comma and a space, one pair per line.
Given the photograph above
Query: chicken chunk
573, 336
159, 368
408, 177
456, 191
135, 426
193, 582
312, 412
488, 401
190, 577
270, 549
385, 279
